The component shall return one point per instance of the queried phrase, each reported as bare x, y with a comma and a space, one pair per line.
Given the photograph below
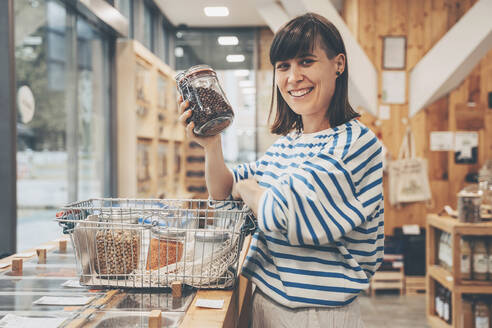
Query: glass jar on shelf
480, 259
469, 202
211, 111
466, 256
482, 314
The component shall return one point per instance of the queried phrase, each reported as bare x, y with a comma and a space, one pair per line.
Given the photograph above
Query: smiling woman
316, 192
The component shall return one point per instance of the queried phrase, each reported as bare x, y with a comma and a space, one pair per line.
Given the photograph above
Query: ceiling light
216, 11
178, 52
241, 72
228, 40
235, 58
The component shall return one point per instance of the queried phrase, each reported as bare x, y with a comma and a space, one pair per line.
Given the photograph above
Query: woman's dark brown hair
300, 36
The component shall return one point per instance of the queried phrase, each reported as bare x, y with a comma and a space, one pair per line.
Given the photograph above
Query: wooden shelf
146, 114
451, 280
437, 322
452, 225
446, 279
475, 287
442, 276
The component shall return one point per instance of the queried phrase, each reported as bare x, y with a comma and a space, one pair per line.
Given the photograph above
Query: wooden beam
273, 14
452, 58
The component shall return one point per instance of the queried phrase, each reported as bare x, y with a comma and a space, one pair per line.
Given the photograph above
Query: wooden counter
237, 303
235, 312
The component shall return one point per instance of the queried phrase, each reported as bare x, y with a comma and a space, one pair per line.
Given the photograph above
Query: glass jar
211, 111
469, 206
480, 260
482, 315
165, 248
466, 256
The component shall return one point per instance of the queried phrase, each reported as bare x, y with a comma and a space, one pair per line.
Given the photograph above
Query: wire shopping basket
150, 243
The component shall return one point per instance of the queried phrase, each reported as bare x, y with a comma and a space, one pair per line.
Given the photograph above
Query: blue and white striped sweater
321, 228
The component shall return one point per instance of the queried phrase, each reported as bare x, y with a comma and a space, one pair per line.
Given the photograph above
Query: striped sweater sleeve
317, 202
244, 171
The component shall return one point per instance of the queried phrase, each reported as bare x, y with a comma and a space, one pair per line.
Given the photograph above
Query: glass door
63, 73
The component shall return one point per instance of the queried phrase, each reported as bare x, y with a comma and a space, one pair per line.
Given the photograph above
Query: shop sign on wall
466, 147
441, 141
26, 104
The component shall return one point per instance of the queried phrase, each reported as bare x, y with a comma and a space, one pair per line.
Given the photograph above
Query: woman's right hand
185, 114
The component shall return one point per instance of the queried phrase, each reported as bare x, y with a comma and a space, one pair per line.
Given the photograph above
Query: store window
125, 7
63, 121
231, 53
165, 48
148, 27
93, 111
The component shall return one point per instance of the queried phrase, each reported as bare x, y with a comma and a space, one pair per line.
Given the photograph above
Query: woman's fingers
183, 117
189, 130
183, 106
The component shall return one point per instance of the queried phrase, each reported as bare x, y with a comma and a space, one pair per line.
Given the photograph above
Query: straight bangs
296, 39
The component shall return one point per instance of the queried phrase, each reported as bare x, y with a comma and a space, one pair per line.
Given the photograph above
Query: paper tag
14, 321
441, 141
26, 254
397, 264
72, 284
211, 304
411, 229
384, 112
54, 300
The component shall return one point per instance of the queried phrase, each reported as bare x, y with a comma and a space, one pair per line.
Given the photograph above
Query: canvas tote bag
408, 179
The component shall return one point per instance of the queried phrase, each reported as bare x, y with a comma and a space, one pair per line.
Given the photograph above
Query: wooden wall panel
351, 15
399, 14
415, 36
367, 28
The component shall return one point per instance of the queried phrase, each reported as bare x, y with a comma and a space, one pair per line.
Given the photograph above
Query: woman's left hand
242, 186
235, 191
249, 191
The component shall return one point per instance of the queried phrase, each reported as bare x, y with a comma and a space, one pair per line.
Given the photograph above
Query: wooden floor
390, 310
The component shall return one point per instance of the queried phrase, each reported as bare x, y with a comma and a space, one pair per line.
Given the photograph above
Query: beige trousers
269, 314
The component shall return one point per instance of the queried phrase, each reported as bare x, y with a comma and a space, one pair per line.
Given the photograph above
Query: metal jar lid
470, 194
211, 236
167, 234
198, 71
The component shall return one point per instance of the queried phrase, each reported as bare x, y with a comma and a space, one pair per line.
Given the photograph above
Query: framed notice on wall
466, 147
394, 87
394, 52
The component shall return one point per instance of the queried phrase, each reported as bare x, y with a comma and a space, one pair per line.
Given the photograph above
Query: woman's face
307, 82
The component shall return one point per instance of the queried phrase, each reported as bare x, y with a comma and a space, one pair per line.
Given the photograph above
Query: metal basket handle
249, 226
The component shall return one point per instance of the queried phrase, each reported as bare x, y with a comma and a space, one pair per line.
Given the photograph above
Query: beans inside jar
211, 111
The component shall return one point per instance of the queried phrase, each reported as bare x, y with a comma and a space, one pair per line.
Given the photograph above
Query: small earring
338, 73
